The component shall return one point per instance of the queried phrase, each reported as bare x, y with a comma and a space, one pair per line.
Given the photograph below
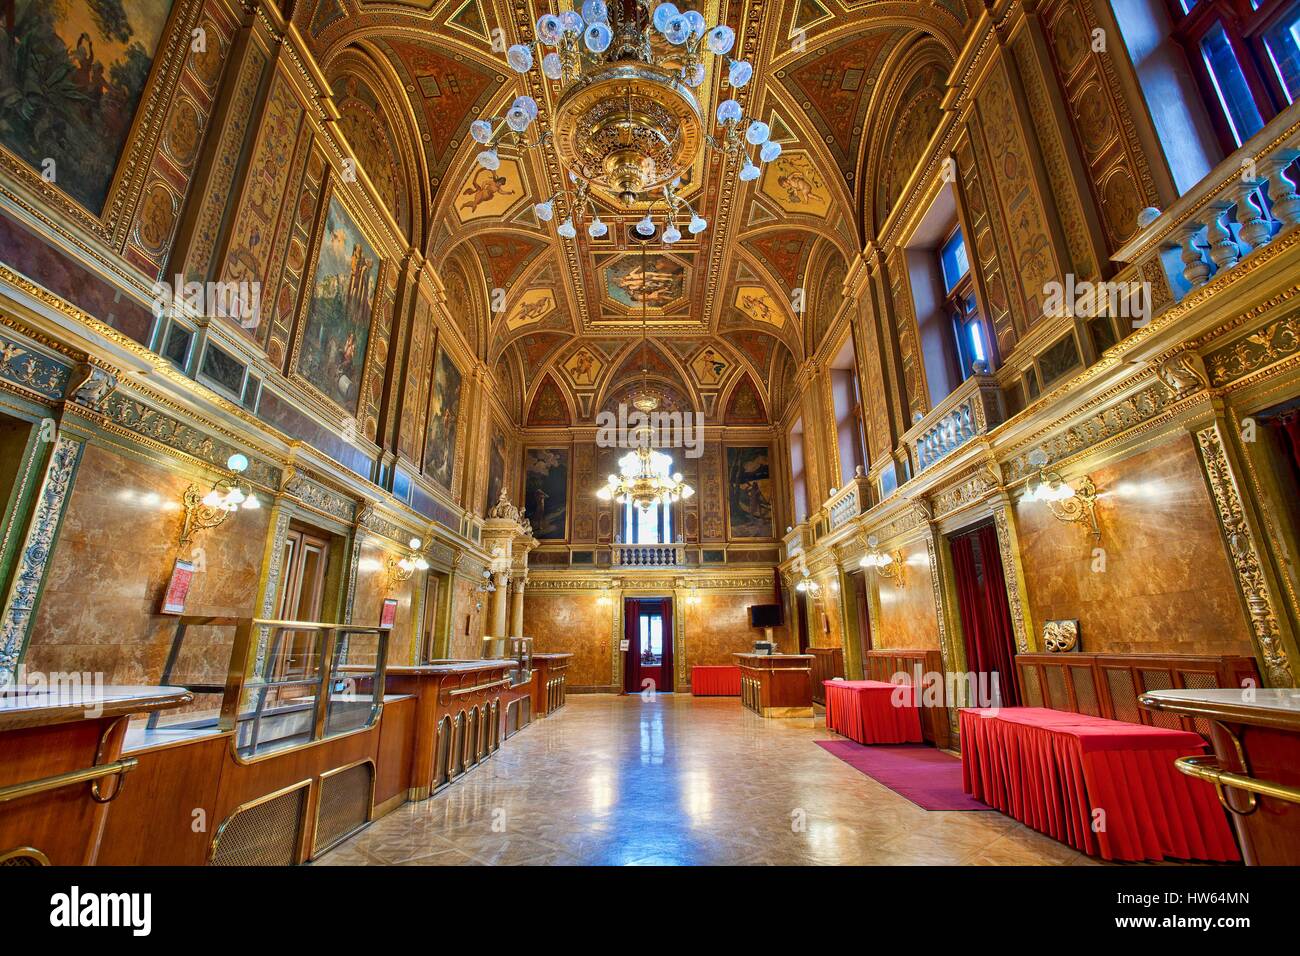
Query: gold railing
973, 408
649, 555
1242, 206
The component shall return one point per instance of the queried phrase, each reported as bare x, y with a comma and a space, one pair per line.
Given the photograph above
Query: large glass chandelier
627, 123
643, 478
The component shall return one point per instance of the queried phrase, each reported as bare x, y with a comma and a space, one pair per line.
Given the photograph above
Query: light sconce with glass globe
628, 123
888, 566
1072, 504
401, 569
229, 493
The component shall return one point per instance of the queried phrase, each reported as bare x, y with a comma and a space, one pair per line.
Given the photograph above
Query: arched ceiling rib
828, 76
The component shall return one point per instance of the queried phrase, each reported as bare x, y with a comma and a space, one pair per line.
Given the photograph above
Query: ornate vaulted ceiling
559, 322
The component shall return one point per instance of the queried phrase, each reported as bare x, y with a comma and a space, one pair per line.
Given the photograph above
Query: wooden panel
882, 665
63, 824
396, 746
166, 814
828, 664
1109, 685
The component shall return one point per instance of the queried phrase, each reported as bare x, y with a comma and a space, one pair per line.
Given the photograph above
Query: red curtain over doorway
985, 613
634, 672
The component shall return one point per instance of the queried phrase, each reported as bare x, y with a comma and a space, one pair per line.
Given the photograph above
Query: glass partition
288, 683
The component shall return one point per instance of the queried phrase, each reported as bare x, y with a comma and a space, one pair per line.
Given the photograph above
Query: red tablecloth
1106, 787
721, 681
870, 712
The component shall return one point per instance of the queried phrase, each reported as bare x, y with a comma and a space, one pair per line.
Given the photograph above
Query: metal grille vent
23, 856
1199, 680
265, 834
1085, 691
1160, 680
1122, 695
344, 804
1059, 697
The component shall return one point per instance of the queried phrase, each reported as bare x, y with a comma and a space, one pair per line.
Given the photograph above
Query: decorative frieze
20, 605
1274, 342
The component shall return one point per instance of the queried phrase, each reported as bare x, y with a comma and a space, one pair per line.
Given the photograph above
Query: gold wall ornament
1073, 504
1060, 636
889, 566
228, 494
1261, 608
401, 568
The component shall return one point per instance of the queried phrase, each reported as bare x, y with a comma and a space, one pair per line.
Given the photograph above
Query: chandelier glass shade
629, 120
644, 479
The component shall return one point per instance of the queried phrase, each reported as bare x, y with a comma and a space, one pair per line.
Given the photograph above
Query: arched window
653, 525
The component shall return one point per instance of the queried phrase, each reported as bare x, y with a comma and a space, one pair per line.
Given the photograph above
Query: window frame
1244, 28
962, 307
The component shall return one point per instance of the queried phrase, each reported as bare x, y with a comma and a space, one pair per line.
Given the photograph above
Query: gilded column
501, 579
517, 607
1004, 520
1274, 641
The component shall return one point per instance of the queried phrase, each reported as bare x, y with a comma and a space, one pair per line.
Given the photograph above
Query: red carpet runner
928, 777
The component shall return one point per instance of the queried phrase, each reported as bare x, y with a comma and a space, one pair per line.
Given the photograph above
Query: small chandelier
627, 121
644, 479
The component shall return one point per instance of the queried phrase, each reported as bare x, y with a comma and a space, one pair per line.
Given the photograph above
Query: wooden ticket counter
1255, 765
63, 767
457, 721
776, 685
550, 682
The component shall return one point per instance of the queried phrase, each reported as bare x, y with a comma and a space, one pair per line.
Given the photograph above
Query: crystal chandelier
627, 122
644, 480
643, 476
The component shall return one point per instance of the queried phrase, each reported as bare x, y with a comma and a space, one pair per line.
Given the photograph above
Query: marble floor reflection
618, 780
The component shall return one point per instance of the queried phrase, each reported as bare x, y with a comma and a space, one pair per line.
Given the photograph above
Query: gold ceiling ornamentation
628, 126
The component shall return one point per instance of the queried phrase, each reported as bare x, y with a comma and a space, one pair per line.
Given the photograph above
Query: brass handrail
1206, 768
57, 782
469, 690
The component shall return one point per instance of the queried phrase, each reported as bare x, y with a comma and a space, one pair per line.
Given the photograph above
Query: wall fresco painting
444, 416
749, 492
71, 78
338, 316
546, 492
496, 469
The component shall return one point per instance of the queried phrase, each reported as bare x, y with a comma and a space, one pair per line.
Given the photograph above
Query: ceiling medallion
628, 123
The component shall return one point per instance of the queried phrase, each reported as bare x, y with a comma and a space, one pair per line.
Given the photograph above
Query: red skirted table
722, 681
1105, 787
872, 711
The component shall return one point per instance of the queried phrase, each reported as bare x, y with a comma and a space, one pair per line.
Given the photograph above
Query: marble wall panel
467, 610
576, 624
908, 618
718, 626
373, 587
1166, 588
113, 560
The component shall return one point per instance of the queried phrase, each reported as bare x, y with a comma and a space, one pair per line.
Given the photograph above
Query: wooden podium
776, 685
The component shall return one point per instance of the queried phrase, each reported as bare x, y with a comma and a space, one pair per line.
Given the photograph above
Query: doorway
801, 614
858, 581
648, 631
986, 624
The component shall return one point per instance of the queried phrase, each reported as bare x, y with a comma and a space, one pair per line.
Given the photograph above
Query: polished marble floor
621, 780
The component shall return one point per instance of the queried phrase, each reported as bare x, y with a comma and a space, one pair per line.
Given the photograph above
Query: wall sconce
806, 585
487, 585
401, 569
888, 566
229, 493
1076, 505
693, 596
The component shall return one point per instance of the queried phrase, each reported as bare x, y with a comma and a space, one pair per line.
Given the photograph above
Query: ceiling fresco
723, 308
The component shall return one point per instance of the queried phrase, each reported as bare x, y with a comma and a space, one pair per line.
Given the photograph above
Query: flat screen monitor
765, 615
